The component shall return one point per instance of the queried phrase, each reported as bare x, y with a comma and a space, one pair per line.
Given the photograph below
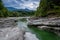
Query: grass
44, 35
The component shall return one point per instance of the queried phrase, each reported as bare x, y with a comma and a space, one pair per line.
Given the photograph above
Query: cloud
22, 4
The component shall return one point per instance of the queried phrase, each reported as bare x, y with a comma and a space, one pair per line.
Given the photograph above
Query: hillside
48, 8
12, 12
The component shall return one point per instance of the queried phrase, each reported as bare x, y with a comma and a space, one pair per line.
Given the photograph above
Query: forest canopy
47, 7
4, 12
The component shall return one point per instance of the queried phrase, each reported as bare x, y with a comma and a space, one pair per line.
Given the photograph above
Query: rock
11, 34
55, 30
30, 36
9, 30
45, 22
7, 23
42, 27
50, 24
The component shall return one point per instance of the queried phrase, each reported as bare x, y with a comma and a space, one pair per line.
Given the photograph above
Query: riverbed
33, 33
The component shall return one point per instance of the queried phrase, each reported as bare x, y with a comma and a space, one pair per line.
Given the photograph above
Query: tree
48, 6
41, 10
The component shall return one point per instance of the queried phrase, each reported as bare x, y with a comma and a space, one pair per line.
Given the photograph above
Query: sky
22, 4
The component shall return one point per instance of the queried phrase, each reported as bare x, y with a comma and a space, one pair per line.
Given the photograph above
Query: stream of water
28, 34
34, 33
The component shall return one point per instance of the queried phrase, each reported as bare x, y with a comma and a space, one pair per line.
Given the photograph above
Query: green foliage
47, 6
3, 10
26, 13
6, 13
1, 5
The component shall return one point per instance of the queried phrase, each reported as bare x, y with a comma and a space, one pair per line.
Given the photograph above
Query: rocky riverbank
50, 24
9, 30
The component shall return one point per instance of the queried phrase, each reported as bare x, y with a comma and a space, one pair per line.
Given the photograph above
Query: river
32, 33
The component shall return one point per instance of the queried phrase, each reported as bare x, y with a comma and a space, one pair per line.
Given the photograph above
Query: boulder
9, 30
11, 34
30, 36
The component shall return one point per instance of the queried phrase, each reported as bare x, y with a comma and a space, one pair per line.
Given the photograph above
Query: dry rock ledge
9, 30
51, 24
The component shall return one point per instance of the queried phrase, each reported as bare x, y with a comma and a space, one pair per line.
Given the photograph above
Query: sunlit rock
30, 36
9, 30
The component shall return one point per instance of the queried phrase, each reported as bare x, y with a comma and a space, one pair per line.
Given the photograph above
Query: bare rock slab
11, 34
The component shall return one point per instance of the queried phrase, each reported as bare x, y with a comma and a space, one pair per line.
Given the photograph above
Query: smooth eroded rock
11, 34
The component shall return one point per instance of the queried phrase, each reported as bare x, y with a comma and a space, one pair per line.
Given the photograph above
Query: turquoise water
40, 34
29, 35
44, 35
